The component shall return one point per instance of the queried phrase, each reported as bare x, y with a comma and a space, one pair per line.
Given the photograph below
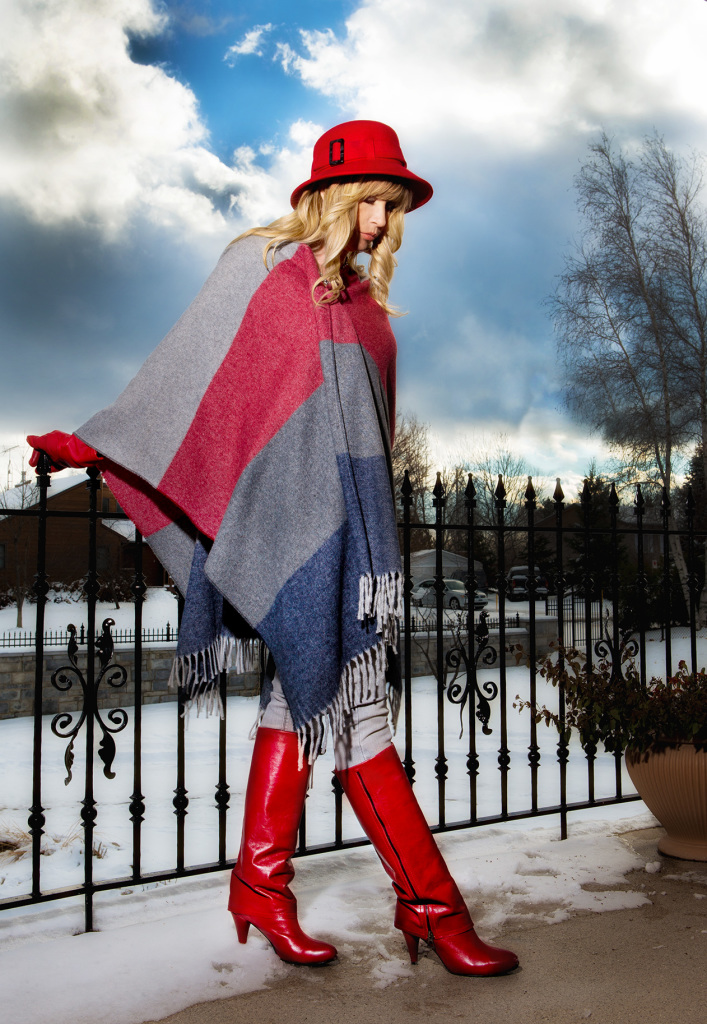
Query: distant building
423, 565
67, 538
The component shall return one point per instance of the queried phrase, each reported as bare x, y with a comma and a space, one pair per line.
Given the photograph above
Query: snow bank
165, 947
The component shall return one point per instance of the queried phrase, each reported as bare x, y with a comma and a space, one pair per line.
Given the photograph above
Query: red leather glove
63, 450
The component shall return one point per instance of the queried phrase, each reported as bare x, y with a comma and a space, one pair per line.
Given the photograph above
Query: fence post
616, 633
504, 758
472, 761
137, 800
562, 747
406, 500
533, 748
641, 582
88, 804
181, 798
588, 584
36, 817
439, 501
667, 587
692, 581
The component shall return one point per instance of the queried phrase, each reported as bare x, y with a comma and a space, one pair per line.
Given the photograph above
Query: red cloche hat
358, 149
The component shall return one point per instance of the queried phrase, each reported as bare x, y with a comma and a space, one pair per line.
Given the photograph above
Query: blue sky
140, 137
193, 51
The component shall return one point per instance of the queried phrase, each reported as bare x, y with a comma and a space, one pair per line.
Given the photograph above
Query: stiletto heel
412, 943
242, 927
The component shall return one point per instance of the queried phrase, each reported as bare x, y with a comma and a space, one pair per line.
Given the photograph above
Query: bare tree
493, 459
676, 187
631, 309
411, 452
455, 480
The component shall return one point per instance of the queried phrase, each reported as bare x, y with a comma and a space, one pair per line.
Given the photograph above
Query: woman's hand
64, 450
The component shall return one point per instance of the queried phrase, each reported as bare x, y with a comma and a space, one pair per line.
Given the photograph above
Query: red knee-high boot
430, 905
260, 893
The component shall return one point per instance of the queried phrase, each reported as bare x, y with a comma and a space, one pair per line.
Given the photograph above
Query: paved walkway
643, 966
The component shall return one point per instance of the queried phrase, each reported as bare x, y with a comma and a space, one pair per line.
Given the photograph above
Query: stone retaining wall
17, 673
17, 682
424, 645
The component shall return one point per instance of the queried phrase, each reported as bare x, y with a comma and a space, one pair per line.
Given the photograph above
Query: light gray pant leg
277, 713
366, 731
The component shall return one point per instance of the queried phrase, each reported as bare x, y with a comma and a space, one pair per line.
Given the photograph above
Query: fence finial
438, 491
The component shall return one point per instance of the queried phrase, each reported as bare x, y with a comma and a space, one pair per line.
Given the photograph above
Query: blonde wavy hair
327, 218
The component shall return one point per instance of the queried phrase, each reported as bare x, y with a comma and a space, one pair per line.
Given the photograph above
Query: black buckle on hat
340, 144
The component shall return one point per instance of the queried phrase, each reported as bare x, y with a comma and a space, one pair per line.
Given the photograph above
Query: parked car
480, 579
453, 596
517, 584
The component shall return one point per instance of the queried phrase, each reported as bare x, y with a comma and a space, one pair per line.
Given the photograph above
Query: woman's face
371, 223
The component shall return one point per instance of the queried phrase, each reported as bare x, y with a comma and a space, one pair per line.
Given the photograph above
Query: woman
253, 452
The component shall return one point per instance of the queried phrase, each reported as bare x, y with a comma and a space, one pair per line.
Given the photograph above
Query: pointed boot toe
468, 954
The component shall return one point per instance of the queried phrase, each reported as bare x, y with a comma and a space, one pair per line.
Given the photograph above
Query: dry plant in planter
661, 726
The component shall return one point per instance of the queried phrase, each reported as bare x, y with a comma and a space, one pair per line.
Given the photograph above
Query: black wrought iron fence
575, 618
126, 768
423, 621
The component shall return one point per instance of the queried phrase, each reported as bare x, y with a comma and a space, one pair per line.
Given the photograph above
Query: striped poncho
252, 450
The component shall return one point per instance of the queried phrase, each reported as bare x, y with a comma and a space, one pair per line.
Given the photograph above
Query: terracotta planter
673, 785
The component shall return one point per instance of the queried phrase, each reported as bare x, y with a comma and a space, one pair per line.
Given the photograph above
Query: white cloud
92, 138
265, 193
507, 71
493, 101
547, 441
248, 45
305, 133
287, 57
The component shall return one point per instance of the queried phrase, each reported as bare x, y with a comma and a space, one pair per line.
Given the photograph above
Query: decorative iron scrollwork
458, 692
63, 724
606, 649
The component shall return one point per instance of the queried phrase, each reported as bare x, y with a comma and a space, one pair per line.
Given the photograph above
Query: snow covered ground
159, 608
162, 948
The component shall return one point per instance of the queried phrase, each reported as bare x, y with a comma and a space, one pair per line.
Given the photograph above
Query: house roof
123, 527
425, 561
25, 495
